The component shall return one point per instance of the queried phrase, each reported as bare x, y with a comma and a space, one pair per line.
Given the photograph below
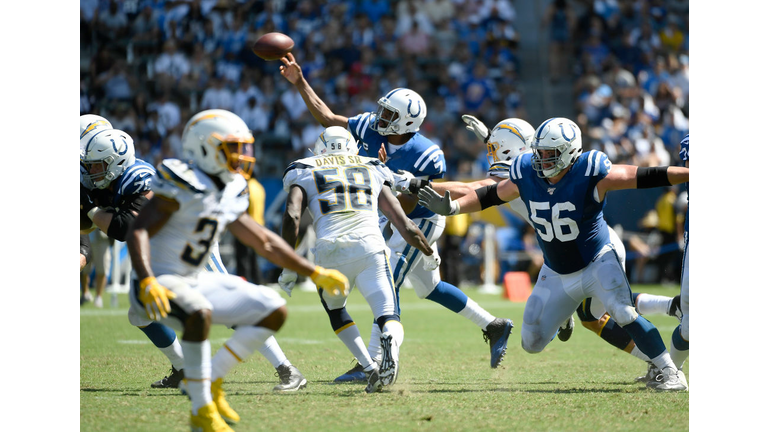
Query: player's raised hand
383, 153
287, 280
476, 126
155, 298
405, 182
432, 200
290, 69
330, 280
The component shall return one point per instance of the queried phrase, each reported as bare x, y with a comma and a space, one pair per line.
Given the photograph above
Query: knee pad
532, 311
623, 314
532, 342
246, 340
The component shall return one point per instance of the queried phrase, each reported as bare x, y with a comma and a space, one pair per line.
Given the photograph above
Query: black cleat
566, 330
674, 308
171, 381
497, 334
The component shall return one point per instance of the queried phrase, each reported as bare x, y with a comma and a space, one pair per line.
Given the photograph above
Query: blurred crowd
148, 65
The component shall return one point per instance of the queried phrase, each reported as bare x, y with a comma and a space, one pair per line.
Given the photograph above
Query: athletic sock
374, 345
395, 328
449, 296
678, 348
164, 338
197, 372
473, 312
354, 343
243, 342
652, 304
273, 353
639, 354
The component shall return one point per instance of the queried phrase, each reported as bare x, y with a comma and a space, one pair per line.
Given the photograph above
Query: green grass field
445, 381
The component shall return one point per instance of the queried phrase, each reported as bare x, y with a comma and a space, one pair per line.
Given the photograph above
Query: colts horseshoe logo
114, 146
418, 104
563, 132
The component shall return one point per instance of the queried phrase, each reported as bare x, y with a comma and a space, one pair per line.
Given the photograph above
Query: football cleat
222, 406
497, 334
356, 374
566, 330
650, 376
171, 381
674, 308
290, 379
208, 419
669, 380
389, 359
374, 381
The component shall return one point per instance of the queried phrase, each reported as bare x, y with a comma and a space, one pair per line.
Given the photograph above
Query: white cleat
389, 359
669, 380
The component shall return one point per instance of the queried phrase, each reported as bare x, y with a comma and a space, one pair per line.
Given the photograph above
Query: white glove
476, 126
405, 182
431, 262
432, 200
287, 280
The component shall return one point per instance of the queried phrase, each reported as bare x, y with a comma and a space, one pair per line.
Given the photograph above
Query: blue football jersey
135, 180
568, 218
420, 156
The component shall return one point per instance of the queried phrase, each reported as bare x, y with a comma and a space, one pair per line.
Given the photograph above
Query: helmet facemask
235, 152
386, 119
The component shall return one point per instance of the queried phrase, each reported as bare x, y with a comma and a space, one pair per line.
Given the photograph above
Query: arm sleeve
123, 218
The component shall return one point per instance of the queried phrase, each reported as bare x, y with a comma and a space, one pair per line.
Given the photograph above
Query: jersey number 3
355, 183
195, 255
554, 229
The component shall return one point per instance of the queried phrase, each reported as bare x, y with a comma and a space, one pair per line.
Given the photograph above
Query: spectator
559, 21
171, 66
217, 96
414, 41
118, 83
254, 115
112, 24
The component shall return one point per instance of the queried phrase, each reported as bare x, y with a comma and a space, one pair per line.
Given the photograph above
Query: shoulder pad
136, 179
299, 164
180, 174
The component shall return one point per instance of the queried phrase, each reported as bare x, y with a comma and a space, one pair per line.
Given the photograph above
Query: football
273, 46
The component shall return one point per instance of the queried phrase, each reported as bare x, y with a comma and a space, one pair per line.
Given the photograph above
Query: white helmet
558, 134
406, 111
335, 139
219, 143
112, 151
90, 124
508, 139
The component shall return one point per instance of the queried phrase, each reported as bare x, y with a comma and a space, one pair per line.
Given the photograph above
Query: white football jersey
184, 243
500, 169
342, 197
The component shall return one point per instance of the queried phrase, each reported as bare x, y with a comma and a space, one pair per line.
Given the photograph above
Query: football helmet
401, 111
335, 139
219, 143
508, 139
560, 135
107, 155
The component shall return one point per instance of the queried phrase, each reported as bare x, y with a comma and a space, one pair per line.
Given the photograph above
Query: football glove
476, 126
155, 298
432, 200
287, 280
406, 182
332, 281
86, 201
431, 262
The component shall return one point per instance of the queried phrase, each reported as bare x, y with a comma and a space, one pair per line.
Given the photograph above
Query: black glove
86, 201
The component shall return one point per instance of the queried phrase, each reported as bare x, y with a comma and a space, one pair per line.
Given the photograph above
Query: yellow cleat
208, 420
227, 413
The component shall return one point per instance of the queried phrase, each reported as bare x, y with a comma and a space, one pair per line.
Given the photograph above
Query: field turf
445, 381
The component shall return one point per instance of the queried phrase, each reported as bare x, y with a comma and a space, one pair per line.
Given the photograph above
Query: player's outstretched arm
320, 111
272, 247
633, 177
482, 198
154, 216
116, 224
392, 209
459, 189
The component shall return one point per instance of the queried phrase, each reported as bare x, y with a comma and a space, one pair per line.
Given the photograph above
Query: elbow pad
489, 196
652, 177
